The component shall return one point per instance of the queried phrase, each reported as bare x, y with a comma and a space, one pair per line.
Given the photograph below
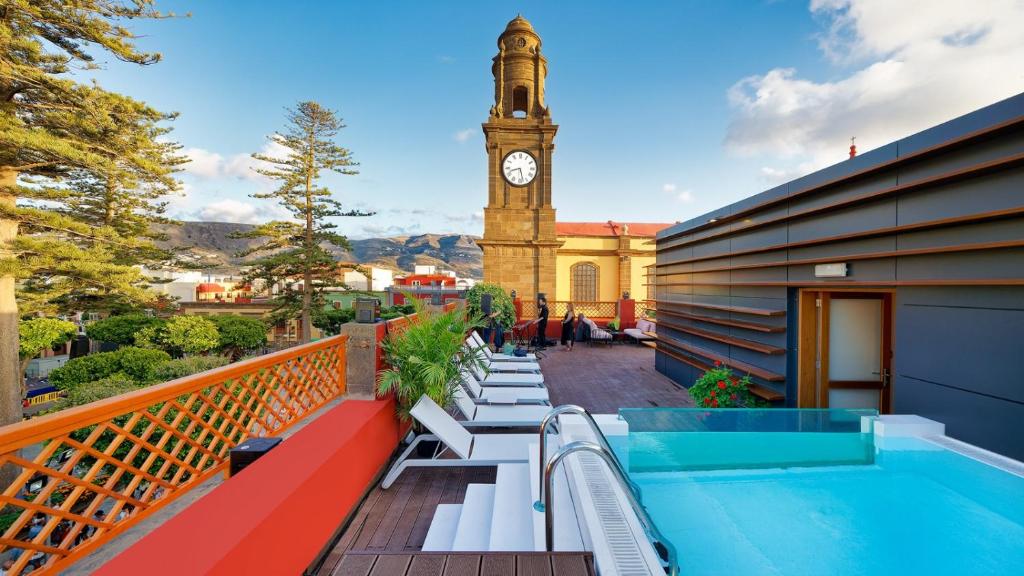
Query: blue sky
666, 109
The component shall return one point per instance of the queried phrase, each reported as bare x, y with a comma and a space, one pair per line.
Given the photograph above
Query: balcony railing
75, 479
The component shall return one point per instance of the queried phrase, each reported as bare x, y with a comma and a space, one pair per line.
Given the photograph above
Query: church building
524, 248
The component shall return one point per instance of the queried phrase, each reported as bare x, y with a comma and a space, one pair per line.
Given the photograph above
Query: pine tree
298, 251
56, 132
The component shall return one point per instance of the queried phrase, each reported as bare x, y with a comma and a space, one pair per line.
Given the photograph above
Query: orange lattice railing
74, 479
556, 309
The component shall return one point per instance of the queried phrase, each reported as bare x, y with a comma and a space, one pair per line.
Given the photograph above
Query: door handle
885, 377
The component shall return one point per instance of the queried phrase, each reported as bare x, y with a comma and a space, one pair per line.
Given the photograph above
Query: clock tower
519, 242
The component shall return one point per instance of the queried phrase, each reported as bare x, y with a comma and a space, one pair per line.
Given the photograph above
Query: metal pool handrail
601, 440
664, 548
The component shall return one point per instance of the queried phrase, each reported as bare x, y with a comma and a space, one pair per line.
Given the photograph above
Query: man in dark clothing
542, 323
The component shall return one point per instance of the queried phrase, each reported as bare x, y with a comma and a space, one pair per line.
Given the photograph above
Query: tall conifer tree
296, 255
56, 134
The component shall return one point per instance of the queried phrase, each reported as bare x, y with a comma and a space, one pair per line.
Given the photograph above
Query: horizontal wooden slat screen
80, 476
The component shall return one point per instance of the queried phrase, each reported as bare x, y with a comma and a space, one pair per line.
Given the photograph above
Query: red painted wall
276, 515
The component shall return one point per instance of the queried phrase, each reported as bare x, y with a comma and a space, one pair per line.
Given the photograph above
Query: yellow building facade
600, 262
524, 249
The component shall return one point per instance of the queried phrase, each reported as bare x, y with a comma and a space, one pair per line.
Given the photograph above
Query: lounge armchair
598, 334
643, 326
498, 415
507, 378
498, 355
503, 394
469, 449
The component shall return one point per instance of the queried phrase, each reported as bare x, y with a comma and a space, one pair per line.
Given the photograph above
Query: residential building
893, 280
427, 284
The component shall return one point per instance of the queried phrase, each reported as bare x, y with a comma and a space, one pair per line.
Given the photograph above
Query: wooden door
845, 356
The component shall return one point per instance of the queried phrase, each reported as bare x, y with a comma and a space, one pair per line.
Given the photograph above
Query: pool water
910, 508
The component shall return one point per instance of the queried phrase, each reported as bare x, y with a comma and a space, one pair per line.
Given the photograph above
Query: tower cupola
519, 70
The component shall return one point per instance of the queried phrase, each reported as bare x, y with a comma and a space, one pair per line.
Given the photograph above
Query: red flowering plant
718, 388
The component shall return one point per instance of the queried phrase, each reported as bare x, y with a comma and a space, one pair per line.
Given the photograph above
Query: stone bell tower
519, 242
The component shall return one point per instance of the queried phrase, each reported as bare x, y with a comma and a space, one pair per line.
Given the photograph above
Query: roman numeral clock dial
519, 168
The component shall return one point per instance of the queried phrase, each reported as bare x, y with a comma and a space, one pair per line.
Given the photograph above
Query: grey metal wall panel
710, 264
997, 191
706, 291
767, 236
992, 424
1006, 263
710, 247
856, 219
993, 297
773, 363
979, 119
760, 258
973, 348
837, 250
773, 274
994, 231
843, 168
780, 191
962, 158
881, 271
843, 192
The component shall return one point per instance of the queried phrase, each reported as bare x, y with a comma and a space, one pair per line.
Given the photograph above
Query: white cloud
774, 175
686, 196
905, 66
211, 165
230, 210
464, 135
668, 188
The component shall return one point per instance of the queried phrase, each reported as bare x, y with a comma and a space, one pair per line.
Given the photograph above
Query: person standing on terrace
542, 322
568, 332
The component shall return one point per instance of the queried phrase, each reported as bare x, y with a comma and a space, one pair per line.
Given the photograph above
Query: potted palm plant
427, 357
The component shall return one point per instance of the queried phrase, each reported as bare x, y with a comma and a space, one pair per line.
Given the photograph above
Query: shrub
330, 321
112, 385
192, 334
238, 334
718, 388
500, 302
187, 334
426, 358
135, 363
121, 329
181, 367
140, 364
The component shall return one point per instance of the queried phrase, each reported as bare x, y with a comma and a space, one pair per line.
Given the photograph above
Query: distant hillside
213, 248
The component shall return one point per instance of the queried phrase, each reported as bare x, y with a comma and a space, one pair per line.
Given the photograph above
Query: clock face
519, 168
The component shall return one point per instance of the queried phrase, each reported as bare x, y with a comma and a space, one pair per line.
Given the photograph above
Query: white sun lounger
530, 357
507, 378
500, 365
503, 394
495, 415
470, 449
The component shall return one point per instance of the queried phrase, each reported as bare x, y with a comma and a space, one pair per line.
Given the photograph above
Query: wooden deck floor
601, 379
466, 564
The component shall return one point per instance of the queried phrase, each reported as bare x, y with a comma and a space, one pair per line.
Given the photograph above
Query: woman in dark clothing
568, 328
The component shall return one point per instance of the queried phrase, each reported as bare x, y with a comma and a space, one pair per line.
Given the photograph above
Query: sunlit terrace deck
601, 379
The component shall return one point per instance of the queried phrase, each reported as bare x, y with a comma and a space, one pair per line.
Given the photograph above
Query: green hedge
138, 364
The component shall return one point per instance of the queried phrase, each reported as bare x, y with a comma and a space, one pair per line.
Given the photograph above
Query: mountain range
211, 246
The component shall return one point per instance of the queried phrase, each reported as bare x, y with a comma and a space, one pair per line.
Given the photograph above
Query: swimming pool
809, 492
